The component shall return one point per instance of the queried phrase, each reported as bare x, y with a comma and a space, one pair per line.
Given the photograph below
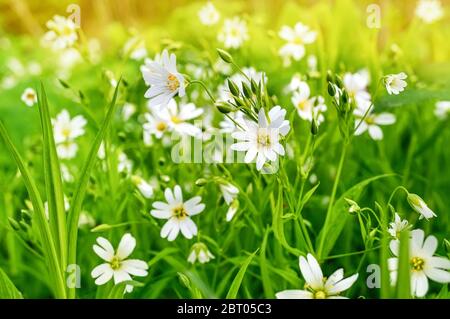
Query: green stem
332, 198
204, 87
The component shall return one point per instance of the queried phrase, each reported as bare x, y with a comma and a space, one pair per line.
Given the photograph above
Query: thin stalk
332, 198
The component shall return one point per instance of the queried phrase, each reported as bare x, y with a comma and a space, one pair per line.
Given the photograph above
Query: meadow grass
334, 194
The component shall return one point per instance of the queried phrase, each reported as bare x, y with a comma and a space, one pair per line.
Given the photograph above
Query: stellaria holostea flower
423, 263
163, 78
29, 97
178, 213
395, 83
317, 286
117, 265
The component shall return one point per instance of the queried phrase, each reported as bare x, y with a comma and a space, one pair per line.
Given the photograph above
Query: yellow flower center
172, 82
302, 105
161, 126
264, 138
30, 96
320, 294
370, 120
179, 212
417, 263
176, 119
234, 32
298, 40
115, 263
66, 131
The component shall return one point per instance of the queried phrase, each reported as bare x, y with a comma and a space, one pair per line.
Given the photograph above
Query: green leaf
236, 284
46, 238
308, 195
7, 288
385, 289
266, 281
403, 288
340, 215
278, 223
53, 181
78, 198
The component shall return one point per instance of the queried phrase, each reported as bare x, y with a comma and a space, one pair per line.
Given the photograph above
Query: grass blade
7, 288
403, 289
53, 181
47, 242
77, 201
236, 284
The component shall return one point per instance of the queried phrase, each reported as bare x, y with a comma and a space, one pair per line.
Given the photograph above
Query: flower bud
26, 216
223, 107
417, 203
101, 228
225, 56
247, 91
330, 76
64, 84
344, 97
339, 82
314, 127
331, 89
200, 252
14, 224
353, 206
255, 86
201, 182
233, 88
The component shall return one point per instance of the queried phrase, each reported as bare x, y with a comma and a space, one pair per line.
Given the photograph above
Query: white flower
261, 140
163, 78
67, 150
124, 165
117, 265
66, 175
29, 97
144, 187
85, 220
200, 252
66, 129
308, 107
208, 14
178, 213
296, 39
62, 33
229, 191
317, 286
234, 33
356, 86
178, 115
395, 83
173, 118
442, 109
128, 110
372, 122
102, 151
420, 206
232, 209
423, 263
397, 226
295, 84
429, 10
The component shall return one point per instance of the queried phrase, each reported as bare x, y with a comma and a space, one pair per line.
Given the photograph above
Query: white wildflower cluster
66, 130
